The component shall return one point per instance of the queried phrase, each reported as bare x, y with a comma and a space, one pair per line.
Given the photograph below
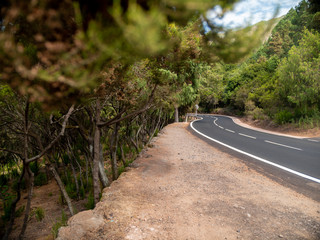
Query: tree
299, 75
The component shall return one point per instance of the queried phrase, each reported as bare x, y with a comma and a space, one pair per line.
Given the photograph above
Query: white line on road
282, 145
312, 140
256, 157
220, 127
247, 136
230, 130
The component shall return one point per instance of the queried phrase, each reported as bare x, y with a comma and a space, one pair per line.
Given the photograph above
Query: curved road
300, 156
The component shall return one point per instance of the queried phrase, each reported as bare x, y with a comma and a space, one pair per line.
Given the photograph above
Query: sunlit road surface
299, 156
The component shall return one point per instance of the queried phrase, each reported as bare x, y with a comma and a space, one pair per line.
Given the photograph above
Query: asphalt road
298, 156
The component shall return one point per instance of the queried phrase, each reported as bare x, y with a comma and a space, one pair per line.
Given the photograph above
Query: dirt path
183, 188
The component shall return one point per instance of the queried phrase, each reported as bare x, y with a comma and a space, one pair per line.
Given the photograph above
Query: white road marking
216, 123
256, 157
312, 140
247, 136
230, 130
282, 145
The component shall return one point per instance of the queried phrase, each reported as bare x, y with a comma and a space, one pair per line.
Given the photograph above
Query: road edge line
255, 157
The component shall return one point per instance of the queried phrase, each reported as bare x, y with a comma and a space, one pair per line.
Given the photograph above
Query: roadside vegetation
84, 88
280, 81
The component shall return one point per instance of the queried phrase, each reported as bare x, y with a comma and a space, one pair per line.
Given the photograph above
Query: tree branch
116, 119
54, 140
12, 151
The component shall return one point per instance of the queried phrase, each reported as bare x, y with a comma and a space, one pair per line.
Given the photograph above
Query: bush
58, 224
71, 190
257, 114
39, 213
121, 169
90, 203
6, 209
15, 184
283, 117
82, 192
34, 166
40, 179
14, 173
3, 180
20, 211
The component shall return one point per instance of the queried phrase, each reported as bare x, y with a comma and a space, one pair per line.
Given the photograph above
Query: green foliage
4, 179
71, 190
39, 213
90, 202
20, 211
34, 166
40, 179
59, 223
15, 184
121, 169
282, 74
283, 117
82, 192
6, 197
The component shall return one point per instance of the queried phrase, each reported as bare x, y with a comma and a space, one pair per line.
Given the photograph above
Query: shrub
20, 211
90, 203
14, 173
3, 179
71, 190
60, 223
39, 213
40, 179
283, 117
6, 209
34, 166
82, 192
15, 184
258, 114
121, 169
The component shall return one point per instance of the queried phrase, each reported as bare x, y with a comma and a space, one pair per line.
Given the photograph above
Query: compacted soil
183, 188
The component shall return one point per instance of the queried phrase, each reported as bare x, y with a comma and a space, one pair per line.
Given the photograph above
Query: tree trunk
155, 128
13, 207
28, 206
75, 177
29, 176
135, 145
95, 169
176, 114
96, 154
80, 171
87, 168
102, 175
113, 151
123, 157
62, 188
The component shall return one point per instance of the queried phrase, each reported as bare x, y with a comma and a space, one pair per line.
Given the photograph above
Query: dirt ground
47, 198
183, 188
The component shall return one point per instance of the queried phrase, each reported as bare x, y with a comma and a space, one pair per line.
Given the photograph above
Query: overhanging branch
118, 118
50, 145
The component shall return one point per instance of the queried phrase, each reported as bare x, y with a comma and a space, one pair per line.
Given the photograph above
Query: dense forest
85, 86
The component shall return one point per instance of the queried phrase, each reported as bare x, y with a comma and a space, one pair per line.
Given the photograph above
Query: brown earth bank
47, 198
287, 129
183, 188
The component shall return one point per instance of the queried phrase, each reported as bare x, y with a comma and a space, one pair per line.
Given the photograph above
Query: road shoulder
183, 188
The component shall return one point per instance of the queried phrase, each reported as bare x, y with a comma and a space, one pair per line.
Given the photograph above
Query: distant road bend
300, 156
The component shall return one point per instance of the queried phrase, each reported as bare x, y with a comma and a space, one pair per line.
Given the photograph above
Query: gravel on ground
183, 188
